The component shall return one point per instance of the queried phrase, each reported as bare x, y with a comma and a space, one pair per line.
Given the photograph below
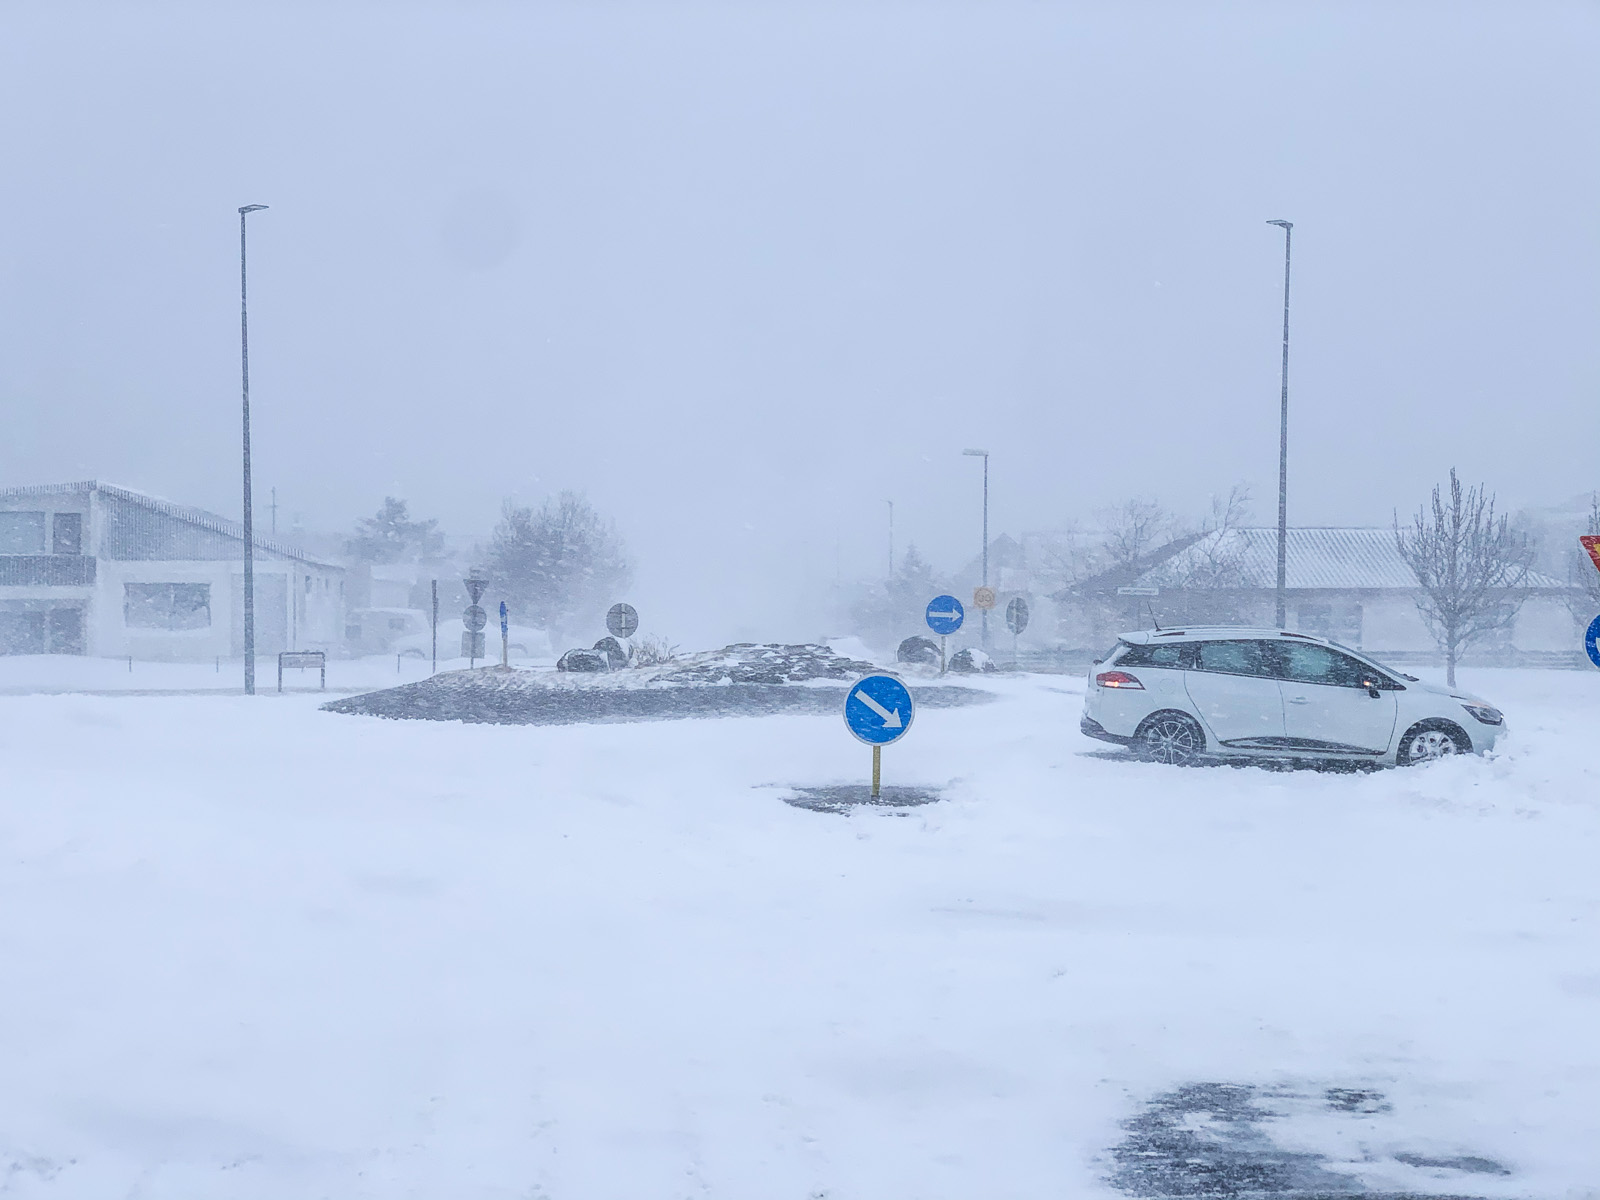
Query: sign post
944, 615
1016, 621
505, 636
878, 710
435, 626
622, 621
474, 619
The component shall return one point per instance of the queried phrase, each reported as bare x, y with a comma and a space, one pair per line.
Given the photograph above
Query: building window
308, 585
66, 533
166, 605
21, 533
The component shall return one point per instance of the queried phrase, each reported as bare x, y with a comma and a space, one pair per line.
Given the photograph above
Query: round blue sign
878, 709
1591, 641
945, 614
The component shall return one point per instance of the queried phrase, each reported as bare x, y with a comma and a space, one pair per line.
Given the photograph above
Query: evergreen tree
392, 536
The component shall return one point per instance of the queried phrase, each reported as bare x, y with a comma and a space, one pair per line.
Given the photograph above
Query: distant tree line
558, 566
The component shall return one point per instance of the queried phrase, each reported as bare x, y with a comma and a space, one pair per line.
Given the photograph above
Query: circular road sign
622, 621
983, 597
878, 710
475, 619
1017, 615
945, 614
1591, 641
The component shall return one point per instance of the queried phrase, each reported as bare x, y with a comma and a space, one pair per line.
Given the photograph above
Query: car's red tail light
1117, 679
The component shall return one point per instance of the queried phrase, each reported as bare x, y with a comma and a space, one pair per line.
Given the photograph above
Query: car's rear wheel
1427, 741
1169, 737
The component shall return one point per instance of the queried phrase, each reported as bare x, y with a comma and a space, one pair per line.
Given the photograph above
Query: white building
88, 568
1350, 584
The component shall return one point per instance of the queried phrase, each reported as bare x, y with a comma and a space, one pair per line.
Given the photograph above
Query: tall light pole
249, 521
1283, 440
984, 454
890, 503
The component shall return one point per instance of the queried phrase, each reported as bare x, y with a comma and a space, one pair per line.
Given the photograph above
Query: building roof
180, 512
1333, 558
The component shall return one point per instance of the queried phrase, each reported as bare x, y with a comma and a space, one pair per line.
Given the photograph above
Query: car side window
1307, 662
1237, 658
1176, 655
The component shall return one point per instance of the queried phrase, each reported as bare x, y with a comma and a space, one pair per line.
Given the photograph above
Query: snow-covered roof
180, 512
1332, 558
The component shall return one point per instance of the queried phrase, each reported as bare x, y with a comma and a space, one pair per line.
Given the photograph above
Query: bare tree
1132, 530
1471, 566
558, 565
1216, 561
1207, 577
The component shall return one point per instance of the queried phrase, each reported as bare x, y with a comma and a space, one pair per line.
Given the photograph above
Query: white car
1176, 695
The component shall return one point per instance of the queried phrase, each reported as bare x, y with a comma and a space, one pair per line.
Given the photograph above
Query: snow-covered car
1176, 695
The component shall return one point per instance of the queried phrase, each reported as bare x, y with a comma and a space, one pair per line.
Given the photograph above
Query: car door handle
1299, 700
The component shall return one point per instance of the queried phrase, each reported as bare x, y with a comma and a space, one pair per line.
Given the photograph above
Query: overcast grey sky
743, 271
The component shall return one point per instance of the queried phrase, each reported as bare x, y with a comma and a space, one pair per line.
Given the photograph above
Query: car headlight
1486, 713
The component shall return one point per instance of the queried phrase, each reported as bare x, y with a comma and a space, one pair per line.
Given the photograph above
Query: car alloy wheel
1170, 738
1428, 745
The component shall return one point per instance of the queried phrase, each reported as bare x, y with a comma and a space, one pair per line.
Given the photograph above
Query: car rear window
1237, 658
1177, 655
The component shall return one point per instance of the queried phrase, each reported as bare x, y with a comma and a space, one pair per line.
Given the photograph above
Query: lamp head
250, 208
977, 453
1285, 225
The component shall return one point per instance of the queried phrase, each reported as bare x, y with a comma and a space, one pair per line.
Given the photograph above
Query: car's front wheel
1169, 737
1427, 741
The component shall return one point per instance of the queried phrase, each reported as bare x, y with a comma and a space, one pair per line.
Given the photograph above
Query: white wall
313, 619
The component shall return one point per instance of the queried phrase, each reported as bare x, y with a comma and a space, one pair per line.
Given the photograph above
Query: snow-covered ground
252, 949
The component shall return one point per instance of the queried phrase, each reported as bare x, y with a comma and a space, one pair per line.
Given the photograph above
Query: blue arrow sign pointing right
945, 614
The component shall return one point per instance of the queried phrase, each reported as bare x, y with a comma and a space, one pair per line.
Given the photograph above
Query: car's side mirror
1372, 689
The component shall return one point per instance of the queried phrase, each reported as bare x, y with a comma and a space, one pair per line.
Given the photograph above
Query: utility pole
249, 523
1282, 605
274, 512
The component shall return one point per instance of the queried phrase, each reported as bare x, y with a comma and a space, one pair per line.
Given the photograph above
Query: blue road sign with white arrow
1591, 641
878, 710
945, 614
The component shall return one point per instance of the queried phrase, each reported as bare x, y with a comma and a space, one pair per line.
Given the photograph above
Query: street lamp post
890, 503
249, 522
1283, 440
984, 454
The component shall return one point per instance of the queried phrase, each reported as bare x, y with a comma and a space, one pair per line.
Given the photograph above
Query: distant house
89, 568
1349, 584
